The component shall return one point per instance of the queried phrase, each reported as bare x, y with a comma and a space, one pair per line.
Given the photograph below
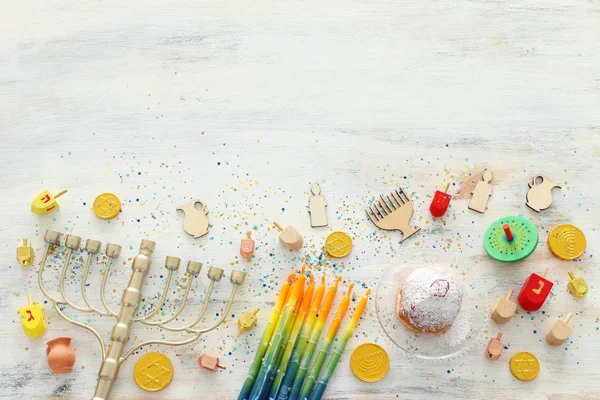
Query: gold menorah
114, 356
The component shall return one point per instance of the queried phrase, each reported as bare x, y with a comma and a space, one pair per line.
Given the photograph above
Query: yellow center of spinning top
107, 206
153, 371
338, 244
369, 362
524, 366
566, 241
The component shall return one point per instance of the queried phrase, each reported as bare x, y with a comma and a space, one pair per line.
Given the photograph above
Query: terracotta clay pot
61, 356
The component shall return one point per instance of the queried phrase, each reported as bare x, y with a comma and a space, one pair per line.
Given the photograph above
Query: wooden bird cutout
481, 193
195, 221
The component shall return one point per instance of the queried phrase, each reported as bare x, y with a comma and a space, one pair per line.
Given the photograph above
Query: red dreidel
535, 291
440, 202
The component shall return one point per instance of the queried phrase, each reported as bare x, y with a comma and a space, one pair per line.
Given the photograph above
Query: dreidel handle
446, 188
499, 337
57, 195
545, 272
510, 293
277, 225
571, 275
29, 299
507, 232
568, 318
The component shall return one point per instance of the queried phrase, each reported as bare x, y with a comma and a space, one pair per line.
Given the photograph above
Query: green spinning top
510, 239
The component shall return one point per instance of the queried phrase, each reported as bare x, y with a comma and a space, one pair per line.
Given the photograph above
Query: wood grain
244, 105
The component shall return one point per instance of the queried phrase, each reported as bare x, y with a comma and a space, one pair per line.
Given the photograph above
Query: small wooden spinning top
210, 362
289, 237
247, 246
494, 348
504, 308
247, 320
560, 331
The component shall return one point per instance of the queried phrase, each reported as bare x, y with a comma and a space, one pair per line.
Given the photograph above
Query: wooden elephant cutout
195, 222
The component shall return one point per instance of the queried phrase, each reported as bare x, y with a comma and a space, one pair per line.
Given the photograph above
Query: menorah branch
81, 325
198, 318
177, 312
105, 280
172, 265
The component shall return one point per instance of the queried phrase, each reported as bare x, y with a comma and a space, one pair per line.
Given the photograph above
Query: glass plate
467, 327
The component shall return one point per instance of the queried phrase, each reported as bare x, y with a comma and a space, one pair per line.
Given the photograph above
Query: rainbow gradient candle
329, 337
339, 348
307, 328
261, 386
314, 339
266, 338
285, 359
287, 333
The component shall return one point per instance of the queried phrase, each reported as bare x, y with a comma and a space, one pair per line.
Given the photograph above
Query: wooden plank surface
244, 105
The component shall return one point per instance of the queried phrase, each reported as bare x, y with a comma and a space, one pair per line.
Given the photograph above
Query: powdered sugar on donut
431, 298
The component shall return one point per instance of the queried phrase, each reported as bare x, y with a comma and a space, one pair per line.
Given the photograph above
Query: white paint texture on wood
244, 105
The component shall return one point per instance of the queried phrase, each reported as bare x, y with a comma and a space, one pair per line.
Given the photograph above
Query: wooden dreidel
440, 202
247, 320
247, 246
560, 331
494, 348
44, 202
504, 308
25, 254
209, 362
577, 286
535, 291
33, 319
289, 237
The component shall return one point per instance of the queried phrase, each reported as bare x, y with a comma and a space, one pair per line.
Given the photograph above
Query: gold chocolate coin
338, 244
566, 241
107, 206
524, 366
153, 371
369, 362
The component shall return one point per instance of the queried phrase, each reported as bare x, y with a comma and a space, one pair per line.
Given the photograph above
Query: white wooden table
244, 105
